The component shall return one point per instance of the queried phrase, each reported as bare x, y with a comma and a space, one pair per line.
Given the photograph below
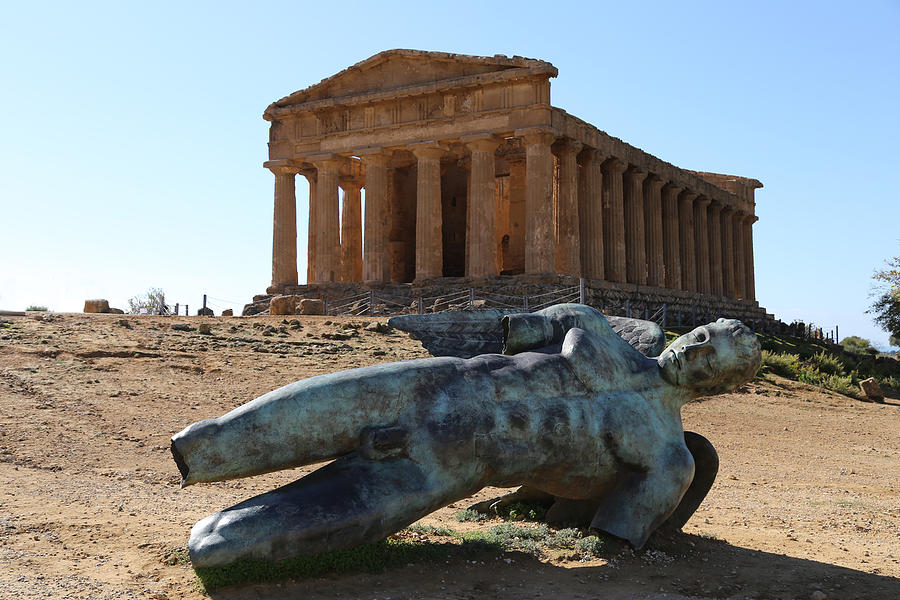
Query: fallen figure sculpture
575, 413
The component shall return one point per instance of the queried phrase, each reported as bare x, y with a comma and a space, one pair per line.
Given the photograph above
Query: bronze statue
576, 413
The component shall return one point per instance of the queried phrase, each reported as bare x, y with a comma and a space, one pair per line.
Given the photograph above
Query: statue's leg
525, 495
348, 502
706, 466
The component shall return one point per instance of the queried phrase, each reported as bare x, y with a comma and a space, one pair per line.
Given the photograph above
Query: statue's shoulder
600, 360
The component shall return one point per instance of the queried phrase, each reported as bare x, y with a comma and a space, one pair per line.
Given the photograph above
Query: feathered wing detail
461, 333
465, 334
646, 337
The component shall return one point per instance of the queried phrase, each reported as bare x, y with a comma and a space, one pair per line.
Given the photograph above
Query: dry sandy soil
805, 505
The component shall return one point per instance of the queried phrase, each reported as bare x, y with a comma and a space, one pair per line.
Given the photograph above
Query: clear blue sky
131, 137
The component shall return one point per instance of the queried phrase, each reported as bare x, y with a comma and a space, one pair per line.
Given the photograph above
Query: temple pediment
398, 69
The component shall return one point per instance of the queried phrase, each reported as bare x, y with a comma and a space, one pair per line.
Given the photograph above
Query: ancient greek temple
468, 170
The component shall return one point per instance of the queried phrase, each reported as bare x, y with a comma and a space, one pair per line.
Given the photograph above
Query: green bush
841, 385
786, 365
36, 308
810, 375
890, 382
827, 363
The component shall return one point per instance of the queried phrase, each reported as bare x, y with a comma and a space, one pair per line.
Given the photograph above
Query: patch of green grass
35, 308
177, 556
370, 557
469, 516
432, 530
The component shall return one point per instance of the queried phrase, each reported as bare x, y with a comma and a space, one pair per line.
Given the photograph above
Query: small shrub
508, 531
786, 365
810, 375
827, 363
890, 382
468, 515
841, 385
565, 538
36, 308
591, 546
519, 511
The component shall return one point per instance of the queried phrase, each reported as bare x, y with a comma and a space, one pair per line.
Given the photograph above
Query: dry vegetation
805, 505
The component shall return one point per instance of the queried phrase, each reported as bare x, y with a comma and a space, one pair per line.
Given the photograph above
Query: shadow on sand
673, 566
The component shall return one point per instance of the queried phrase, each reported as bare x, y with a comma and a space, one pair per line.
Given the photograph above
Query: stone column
351, 231
284, 233
429, 243
311, 178
686, 239
482, 207
568, 238
590, 214
716, 279
701, 244
749, 275
728, 251
672, 252
539, 245
613, 220
739, 262
653, 230
376, 256
517, 215
328, 241
635, 238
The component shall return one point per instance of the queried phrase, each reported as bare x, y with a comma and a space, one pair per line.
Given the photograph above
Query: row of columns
612, 220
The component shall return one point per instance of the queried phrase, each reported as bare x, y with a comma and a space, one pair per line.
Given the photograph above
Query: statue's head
712, 359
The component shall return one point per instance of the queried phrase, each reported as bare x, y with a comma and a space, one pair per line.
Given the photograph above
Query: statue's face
705, 358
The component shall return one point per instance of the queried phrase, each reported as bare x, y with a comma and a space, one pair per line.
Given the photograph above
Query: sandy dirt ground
805, 506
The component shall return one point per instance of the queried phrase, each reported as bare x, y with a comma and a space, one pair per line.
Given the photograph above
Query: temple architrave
468, 170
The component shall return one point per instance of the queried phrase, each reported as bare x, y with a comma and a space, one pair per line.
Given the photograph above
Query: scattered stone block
378, 327
97, 305
227, 313
205, 312
182, 327
309, 306
872, 390
283, 305
440, 304
204, 328
117, 311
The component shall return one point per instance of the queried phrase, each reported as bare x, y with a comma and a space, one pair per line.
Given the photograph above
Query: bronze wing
468, 333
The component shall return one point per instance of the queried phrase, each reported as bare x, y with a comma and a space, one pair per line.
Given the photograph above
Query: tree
857, 345
886, 307
151, 303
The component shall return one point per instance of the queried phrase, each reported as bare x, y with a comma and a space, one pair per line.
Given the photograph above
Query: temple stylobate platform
468, 171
